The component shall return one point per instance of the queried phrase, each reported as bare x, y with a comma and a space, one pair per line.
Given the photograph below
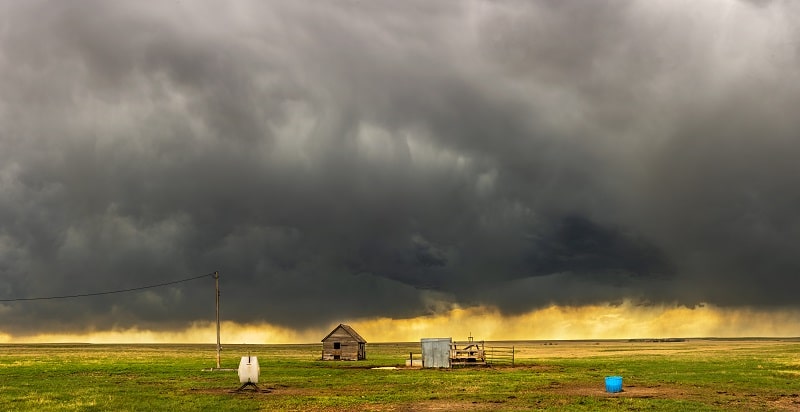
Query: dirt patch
786, 403
722, 399
234, 392
629, 391
433, 405
275, 390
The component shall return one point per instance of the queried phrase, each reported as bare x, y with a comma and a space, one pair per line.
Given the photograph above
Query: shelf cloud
394, 159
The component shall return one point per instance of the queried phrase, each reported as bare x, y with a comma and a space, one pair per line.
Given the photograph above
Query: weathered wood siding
349, 348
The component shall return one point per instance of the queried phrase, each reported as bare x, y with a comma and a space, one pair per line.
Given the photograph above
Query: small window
337, 345
337, 357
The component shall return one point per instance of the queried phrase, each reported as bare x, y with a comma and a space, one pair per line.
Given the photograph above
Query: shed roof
349, 331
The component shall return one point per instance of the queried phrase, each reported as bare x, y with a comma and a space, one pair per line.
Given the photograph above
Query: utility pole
219, 347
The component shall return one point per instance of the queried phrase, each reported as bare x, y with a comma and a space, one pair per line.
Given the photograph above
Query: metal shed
436, 352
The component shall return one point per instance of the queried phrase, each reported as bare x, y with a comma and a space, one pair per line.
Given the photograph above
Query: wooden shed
344, 343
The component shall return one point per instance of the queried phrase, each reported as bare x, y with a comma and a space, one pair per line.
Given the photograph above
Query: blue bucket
613, 384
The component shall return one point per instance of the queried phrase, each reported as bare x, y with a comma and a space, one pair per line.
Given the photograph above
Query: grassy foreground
693, 375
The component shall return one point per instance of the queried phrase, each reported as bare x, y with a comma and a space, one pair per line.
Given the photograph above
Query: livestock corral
688, 374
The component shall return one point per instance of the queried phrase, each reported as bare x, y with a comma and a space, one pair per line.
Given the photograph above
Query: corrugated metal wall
436, 352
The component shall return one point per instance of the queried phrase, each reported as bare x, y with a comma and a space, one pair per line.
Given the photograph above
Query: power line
81, 295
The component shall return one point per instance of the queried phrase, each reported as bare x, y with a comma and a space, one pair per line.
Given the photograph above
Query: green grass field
696, 375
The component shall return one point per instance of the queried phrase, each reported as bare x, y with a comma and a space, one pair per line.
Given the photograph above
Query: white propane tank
248, 369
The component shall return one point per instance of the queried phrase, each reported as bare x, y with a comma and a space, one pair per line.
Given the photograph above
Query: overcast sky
347, 159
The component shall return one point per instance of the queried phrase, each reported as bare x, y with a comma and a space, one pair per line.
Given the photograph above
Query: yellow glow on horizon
589, 322
623, 321
200, 332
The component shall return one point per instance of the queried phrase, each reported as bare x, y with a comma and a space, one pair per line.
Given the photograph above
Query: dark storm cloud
396, 155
